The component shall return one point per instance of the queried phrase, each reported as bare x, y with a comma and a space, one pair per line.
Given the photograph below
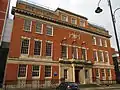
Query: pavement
82, 87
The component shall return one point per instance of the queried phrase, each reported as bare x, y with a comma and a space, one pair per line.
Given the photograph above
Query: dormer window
64, 18
73, 21
82, 22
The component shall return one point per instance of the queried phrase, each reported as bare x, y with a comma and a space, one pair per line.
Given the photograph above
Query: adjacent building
49, 45
4, 46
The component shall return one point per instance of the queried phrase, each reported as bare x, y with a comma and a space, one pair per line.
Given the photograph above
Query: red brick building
50, 45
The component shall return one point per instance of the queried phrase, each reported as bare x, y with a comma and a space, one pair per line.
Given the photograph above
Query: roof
70, 13
98, 27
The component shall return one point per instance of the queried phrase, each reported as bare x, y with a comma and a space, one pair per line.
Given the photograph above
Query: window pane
25, 46
64, 51
65, 73
95, 55
48, 49
47, 71
74, 52
83, 54
38, 27
27, 24
35, 70
22, 70
49, 30
37, 48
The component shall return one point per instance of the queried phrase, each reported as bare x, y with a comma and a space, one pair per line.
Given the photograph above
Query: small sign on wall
55, 74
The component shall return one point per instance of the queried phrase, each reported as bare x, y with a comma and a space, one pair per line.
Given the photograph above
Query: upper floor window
22, 70
74, 52
35, 71
24, 46
27, 25
94, 40
84, 54
106, 57
37, 47
48, 48
38, 27
64, 51
100, 55
82, 22
95, 55
105, 43
74, 21
64, 18
99, 42
49, 30
48, 71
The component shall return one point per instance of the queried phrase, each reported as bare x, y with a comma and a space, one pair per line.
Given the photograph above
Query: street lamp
99, 10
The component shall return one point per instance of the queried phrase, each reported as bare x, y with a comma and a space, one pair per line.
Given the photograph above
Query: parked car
68, 86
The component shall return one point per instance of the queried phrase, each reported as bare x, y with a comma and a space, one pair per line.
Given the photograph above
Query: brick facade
64, 34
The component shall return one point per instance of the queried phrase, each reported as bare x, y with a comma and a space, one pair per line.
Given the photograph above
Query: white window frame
51, 48
94, 38
96, 54
67, 74
66, 49
76, 52
110, 77
107, 57
64, 16
105, 43
103, 78
34, 77
48, 25
102, 55
41, 28
75, 20
51, 72
28, 46
100, 42
30, 25
40, 46
98, 73
82, 22
85, 52
25, 73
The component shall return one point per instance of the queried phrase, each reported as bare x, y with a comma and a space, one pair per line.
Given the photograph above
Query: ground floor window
35, 71
47, 71
65, 73
22, 70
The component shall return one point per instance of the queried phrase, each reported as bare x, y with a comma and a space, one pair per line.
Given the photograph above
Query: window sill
22, 78
38, 33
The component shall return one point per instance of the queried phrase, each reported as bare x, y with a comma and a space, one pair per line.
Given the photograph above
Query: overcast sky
87, 8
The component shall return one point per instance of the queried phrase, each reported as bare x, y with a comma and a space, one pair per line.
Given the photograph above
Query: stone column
73, 72
90, 75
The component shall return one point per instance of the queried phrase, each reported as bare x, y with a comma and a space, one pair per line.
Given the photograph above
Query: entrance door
77, 76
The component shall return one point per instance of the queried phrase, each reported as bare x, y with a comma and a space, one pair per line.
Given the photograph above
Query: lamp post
99, 10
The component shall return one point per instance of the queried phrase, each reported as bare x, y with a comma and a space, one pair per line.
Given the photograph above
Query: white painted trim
41, 27
25, 73
49, 25
40, 46
22, 37
36, 77
75, 20
51, 42
51, 72
65, 16
30, 25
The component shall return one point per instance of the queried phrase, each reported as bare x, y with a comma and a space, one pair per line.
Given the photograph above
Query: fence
30, 84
